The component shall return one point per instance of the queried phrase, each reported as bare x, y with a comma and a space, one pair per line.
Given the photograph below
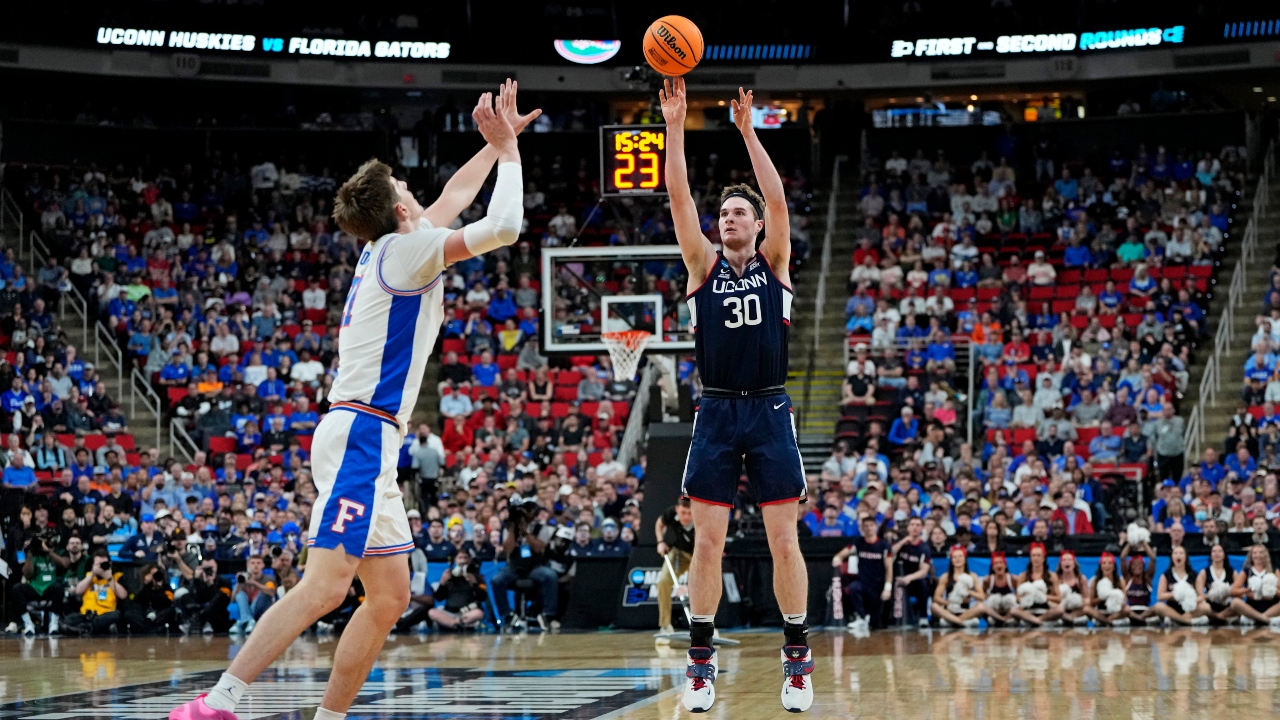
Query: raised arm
776, 247
462, 188
501, 226
698, 253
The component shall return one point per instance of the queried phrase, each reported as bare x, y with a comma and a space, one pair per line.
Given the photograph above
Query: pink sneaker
197, 710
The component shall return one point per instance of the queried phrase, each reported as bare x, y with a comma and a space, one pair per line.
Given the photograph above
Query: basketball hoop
625, 348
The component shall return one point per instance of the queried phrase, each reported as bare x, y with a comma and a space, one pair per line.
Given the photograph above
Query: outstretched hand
742, 112
518, 122
673, 102
494, 125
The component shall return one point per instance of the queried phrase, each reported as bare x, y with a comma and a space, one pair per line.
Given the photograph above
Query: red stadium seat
315, 316
176, 394
1066, 292
1039, 292
1070, 276
305, 441
454, 345
1084, 436
565, 393
1096, 275
1201, 271
1061, 306
221, 445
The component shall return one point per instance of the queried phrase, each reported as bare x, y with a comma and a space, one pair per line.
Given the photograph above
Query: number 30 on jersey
746, 310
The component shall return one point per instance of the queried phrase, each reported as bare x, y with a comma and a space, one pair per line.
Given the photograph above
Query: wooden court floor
1141, 674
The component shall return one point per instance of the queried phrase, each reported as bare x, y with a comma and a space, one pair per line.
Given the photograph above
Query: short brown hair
365, 204
753, 197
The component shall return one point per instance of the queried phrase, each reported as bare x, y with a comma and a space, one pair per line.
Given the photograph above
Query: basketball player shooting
740, 308
393, 312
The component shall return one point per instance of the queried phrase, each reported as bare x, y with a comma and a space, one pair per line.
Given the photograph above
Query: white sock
796, 619
702, 618
227, 693
322, 714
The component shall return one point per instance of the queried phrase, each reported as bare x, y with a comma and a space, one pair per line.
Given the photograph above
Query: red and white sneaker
797, 687
700, 684
198, 710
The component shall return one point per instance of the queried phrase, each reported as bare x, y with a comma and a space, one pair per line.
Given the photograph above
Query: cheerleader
1108, 602
1255, 590
1176, 597
1214, 585
958, 598
1038, 589
1073, 588
1001, 605
1138, 573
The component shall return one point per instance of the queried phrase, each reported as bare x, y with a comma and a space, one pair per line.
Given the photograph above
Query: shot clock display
633, 160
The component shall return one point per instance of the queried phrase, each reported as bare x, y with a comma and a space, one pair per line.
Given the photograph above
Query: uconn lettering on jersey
746, 283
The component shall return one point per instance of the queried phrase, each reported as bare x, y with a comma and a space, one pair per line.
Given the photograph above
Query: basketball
673, 45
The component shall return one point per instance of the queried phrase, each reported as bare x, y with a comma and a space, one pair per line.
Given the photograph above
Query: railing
1193, 433
180, 441
629, 448
11, 216
1225, 335
80, 306
820, 294
141, 386
101, 334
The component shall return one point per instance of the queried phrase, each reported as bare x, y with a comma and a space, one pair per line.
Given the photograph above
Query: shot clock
633, 160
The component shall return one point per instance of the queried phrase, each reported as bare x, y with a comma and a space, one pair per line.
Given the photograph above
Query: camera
103, 564
521, 511
276, 551
241, 578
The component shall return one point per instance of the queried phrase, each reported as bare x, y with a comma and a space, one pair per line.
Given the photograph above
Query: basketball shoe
198, 710
797, 687
700, 687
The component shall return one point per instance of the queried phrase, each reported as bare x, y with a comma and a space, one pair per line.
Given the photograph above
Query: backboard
590, 290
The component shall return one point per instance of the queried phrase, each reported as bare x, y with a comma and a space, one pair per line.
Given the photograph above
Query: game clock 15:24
633, 160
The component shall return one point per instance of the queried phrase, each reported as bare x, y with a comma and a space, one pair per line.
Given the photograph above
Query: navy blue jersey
741, 326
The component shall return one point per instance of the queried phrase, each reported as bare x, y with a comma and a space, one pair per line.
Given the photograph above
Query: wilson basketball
673, 45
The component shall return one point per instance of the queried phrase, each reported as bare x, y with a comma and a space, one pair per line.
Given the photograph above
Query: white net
625, 349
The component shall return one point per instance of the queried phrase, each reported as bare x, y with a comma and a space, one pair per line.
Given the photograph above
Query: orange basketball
673, 45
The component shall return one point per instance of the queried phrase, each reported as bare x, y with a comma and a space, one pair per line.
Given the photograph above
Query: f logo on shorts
347, 510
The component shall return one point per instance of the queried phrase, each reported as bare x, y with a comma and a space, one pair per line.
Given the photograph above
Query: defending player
740, 307
389, 324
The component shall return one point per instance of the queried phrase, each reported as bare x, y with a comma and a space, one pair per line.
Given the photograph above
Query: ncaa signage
1038, 43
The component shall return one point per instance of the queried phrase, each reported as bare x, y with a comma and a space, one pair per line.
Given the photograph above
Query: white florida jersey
390, 321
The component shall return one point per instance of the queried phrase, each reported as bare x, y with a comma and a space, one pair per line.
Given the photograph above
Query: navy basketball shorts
759, 432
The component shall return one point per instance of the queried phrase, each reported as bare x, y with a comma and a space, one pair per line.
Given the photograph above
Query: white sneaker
55, 623
28, 625
1247, 621
1081, 621
797, 685
324, 628
665, 630
249, 626
1204, 620
971, 623
207, 629
700, 680
237, 628
1120, 622
1275, 621
12, 628
1153, 620
923, 623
